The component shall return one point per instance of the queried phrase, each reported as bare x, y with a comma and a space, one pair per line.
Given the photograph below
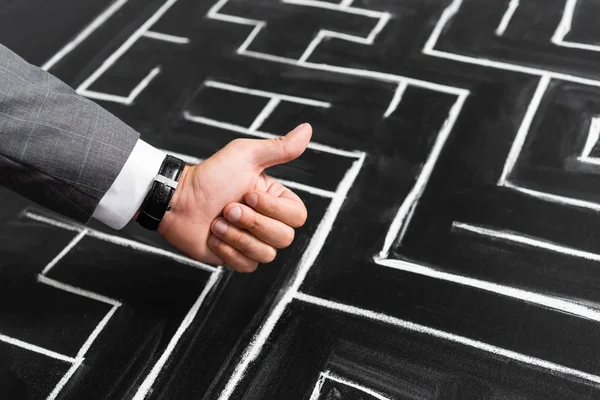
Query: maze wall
453, 186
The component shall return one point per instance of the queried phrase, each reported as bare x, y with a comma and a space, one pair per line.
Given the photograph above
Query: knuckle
238, 238
239, 142
253, 223
281, 143
247, 246
269, 207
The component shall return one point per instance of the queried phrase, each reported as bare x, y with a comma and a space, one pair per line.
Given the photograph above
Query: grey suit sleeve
57, 148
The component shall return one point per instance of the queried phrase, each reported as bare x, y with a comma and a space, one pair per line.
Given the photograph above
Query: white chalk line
263, 93
166, 38
336, 378
64, 251
213, 13
508, 14
82, 89
335, 7
564, 27
544, 300
396, 99
581, 46
568, 201
555, 369
146, 386
514, 237
313, 44
250, 38
66, 377
91, 94
143, 84
308, 189
122, 242
63, 381
346, 3
96, 332
308, 258
78, 291
404, 214
36, 349
324, 33
318, 387
264, 135
84, 34
449, 12
135, 92
592, 138
523, 131
264, 114
589, 160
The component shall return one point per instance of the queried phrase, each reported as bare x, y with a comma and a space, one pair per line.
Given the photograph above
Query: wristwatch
156, 203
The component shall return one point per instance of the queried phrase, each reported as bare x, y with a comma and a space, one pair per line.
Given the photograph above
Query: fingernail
220, 227
252, 200
213, 242
234, 214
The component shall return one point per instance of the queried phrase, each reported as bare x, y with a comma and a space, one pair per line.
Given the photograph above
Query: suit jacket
57, 148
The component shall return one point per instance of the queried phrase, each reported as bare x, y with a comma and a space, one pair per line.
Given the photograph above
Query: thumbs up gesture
226, 210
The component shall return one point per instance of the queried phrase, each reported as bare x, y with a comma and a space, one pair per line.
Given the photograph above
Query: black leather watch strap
156, 203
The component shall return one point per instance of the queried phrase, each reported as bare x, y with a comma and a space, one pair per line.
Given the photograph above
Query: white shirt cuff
125, 196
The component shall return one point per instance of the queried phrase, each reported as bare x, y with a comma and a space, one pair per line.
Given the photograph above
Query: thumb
282, 149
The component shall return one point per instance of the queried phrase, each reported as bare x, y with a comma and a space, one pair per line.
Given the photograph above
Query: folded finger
271, 231
243, 241
230, 256
287, 208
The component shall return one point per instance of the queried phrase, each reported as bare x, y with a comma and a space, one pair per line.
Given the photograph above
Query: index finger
287, 207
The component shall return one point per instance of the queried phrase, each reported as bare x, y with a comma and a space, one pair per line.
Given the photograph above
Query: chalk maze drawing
401, 222
399, 187
45, 278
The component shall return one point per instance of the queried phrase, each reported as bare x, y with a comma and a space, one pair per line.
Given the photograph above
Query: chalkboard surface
453, 183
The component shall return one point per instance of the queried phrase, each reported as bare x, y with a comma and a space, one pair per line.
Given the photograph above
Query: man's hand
227, 211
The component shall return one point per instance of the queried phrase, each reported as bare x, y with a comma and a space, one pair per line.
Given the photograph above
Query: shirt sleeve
125, 196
